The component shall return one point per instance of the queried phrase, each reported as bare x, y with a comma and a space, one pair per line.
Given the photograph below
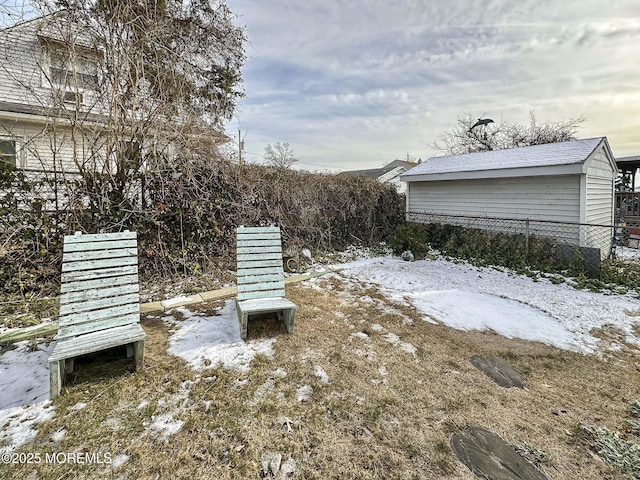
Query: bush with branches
187, 218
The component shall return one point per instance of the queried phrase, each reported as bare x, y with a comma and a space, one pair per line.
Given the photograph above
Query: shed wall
554, 198
599, 200
546, 198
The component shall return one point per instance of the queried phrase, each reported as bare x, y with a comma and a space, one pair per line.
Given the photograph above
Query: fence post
526, 239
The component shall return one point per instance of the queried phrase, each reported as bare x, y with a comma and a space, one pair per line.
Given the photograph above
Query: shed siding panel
598, 165
599, 212
599, 200
541, 198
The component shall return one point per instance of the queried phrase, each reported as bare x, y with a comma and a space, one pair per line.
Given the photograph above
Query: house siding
39, 145
23, 61
25, 67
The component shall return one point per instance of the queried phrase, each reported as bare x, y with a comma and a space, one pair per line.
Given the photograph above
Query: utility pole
240, 142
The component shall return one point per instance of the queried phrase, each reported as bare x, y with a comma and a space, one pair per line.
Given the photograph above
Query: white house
54, 104
43, 94
570, 183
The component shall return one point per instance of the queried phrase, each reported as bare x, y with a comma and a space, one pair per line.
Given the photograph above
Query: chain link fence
533, 241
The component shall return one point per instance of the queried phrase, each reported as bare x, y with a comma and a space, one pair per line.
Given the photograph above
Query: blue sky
354, 85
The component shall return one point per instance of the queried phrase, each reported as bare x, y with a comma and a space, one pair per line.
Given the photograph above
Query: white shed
567, 183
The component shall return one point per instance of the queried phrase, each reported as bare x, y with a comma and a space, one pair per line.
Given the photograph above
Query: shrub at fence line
490, 247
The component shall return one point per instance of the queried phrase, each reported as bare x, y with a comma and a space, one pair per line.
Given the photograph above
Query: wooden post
55, 379
526, 239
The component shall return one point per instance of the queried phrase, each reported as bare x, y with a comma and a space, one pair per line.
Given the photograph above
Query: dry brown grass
385, 412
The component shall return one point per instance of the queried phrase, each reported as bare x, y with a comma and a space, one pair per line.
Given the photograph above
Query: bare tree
13, 11
473, 134
135, 82
280, 155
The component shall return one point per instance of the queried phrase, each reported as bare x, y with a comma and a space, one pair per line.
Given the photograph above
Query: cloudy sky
353, 85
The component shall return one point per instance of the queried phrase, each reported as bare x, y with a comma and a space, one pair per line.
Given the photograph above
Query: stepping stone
499, 371
491, 458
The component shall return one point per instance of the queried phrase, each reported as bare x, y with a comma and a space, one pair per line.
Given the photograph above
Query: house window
8, 152
130, 153
77, 72
161, 157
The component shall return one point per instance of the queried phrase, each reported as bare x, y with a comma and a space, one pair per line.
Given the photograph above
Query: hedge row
186, 216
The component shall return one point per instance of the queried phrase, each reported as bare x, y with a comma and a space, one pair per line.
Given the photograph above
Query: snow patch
163, 426
212, 341
467, 297
303, 393
479, 311
362, 335
319, 372
58, 435
119, 460
24, 393
78, 406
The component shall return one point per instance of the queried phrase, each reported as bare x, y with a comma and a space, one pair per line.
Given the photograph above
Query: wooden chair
99, 301
261, 277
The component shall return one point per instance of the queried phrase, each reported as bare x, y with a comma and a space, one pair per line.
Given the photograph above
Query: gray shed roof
545, 155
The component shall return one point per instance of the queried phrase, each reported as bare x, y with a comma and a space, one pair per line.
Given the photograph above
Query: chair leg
289, 317
56, 378
138, 354
244, 327
243, 319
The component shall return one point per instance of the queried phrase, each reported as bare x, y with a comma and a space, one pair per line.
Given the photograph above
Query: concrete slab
499, 371
151, 307
490, 457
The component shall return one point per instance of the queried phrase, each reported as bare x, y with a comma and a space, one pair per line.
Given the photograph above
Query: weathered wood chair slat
99, 301
261, 276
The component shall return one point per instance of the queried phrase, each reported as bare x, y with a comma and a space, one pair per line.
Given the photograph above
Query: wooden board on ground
499, 371
490, 457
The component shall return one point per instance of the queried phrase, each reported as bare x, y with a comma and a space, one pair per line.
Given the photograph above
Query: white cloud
357, 84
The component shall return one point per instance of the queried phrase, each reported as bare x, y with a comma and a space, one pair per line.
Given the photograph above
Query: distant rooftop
378, 172
630, 163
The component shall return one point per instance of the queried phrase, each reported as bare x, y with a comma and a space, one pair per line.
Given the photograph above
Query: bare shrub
186, 211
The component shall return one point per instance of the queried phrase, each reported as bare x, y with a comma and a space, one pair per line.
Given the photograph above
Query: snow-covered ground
211, 341
467, 297
24, 394
459, 295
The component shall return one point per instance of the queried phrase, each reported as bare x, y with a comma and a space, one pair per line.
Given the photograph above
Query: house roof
628, 163
531, 160
378, 172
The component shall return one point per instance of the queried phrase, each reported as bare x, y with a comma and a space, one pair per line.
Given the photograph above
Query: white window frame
18, 144
75, 88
